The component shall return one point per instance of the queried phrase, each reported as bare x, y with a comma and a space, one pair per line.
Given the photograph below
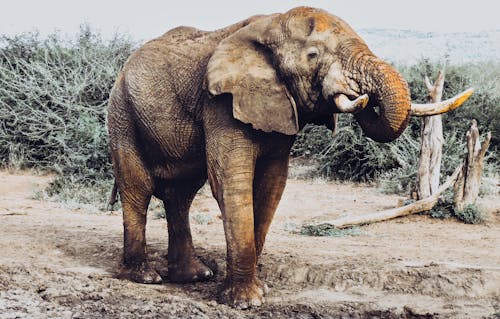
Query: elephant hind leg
135, 187
183, 264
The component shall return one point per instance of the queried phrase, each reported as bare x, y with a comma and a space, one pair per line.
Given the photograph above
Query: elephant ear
241, 65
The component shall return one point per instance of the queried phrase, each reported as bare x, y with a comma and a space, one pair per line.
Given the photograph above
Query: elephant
225, 106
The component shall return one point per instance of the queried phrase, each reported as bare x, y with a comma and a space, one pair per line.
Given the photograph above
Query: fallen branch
416, 207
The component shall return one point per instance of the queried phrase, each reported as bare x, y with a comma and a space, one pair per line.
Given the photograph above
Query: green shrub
76, 192
350, 155
400, 180
53, 96
328, 230
483, 105
444, 207
471, 214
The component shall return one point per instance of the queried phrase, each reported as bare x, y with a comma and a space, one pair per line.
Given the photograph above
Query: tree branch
416, 207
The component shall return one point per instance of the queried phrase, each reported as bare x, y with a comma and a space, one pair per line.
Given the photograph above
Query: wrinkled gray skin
225, 106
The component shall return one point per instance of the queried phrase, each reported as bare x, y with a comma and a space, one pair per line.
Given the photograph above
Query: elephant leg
269, 183
183, 264
231, 176
135, 186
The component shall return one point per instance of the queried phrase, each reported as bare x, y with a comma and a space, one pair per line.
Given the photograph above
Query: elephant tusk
441, 107
344, 105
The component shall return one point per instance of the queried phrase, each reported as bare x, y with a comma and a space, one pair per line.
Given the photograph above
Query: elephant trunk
387, 90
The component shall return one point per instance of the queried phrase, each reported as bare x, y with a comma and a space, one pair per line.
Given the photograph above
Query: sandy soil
57, 262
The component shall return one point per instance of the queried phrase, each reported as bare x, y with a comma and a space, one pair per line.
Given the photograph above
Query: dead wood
416, 207
431, 144
466, 189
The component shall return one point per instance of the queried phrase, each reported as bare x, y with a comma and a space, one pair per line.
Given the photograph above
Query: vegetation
471, 214
328, 230
53, 95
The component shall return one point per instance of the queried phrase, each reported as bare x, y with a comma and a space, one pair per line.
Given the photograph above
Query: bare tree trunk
467, 187
431, 144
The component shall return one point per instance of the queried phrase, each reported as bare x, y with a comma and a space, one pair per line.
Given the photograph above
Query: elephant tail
114, 197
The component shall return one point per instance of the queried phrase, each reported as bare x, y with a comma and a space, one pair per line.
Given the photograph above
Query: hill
409, 46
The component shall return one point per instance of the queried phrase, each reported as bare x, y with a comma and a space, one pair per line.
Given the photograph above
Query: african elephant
226, 106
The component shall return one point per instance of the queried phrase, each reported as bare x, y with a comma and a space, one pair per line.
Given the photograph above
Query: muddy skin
225, 106
168, 139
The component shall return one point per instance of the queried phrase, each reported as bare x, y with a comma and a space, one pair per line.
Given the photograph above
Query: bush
483, 105
53, 96
77, 193
350, 155
444, 207
328, 230
471, 214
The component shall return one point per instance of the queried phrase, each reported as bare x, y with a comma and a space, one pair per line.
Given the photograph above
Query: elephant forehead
305, 12
315, 20
323, 22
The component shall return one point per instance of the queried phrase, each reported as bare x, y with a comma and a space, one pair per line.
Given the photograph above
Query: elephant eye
312, 53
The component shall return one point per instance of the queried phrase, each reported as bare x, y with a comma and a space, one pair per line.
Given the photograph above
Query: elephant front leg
269, 183
231, 178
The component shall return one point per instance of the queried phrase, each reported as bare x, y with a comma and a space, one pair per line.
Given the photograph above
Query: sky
146, 19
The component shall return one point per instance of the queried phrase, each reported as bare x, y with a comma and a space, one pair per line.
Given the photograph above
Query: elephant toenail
265, 288
242, 305
256, 302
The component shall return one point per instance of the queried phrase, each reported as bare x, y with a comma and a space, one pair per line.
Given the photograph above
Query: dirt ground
57, 262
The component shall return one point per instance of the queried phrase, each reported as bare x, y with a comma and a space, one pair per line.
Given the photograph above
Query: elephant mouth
351, 104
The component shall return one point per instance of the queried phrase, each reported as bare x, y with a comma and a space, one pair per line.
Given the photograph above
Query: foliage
444, 209
328, 230
471, 214
53, 96
350, 155
77, 193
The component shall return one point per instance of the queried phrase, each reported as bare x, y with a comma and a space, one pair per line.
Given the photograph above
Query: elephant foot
191, 271
141, 273
243, 295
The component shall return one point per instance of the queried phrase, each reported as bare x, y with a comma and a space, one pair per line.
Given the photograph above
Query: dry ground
57, 262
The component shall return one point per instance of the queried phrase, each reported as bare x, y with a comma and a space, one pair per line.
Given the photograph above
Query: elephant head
285, 70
